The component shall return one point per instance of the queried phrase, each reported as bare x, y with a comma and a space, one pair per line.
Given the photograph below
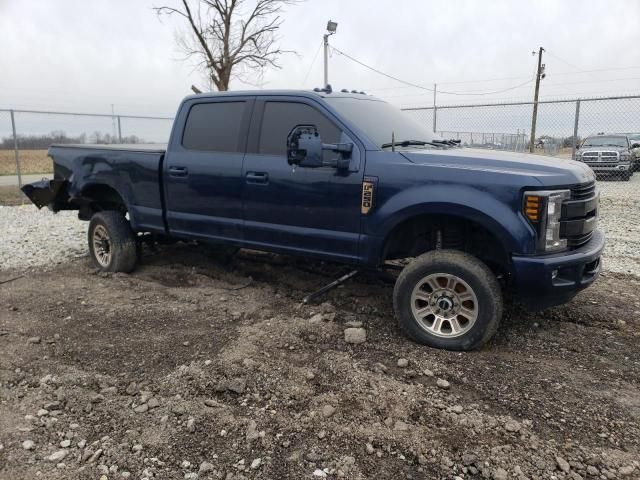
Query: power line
312, 64
423, 87
564, 61
594, 81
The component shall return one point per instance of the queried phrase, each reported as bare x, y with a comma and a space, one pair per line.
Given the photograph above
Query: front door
299, 210
203, 170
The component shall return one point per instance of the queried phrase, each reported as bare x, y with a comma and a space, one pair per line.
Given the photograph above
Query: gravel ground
201, 368
620, 220
33, 237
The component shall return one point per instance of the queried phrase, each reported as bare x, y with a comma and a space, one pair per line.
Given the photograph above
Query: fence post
15, 149
435, 110
119, 131
575, 129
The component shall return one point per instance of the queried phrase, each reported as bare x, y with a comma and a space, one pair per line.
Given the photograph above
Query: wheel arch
479, 210
97, 197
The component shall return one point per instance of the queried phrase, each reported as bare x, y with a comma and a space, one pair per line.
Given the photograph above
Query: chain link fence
601, 132
25, 136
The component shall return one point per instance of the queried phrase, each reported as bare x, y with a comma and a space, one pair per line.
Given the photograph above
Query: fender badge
368, 194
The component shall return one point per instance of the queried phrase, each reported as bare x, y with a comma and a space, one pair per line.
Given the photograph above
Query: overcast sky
85, 55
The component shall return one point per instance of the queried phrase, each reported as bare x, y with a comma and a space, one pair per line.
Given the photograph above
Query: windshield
602, 141
378, 119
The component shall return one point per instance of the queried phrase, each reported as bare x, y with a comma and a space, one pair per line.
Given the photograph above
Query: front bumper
612, 168
548, 280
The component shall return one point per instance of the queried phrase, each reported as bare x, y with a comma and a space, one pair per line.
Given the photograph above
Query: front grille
582, 191
602, 164
582, 199
590, 155
609, 155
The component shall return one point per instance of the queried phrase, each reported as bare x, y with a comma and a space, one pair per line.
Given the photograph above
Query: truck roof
290, 92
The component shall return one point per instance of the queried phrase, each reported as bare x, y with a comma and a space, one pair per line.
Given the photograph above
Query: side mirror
635, 145
305, 147
577, 145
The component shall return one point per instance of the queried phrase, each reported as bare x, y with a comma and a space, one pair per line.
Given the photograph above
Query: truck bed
129, 147
132, 172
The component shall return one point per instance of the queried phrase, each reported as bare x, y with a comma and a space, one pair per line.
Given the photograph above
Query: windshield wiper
406, 143
452, 142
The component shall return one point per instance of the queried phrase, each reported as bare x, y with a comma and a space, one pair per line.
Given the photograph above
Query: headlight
625, 157
543, 209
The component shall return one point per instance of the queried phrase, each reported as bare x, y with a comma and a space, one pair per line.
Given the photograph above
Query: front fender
495, 213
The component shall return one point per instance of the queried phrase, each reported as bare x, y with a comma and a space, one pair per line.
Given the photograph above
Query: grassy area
31, 161
11, 195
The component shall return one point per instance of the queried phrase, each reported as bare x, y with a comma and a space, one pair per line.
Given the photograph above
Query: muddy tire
112, 243
448, 299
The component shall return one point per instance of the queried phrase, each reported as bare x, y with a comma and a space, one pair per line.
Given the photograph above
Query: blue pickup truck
345, 177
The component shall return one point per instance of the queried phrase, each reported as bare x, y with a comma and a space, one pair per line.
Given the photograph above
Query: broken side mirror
305, 147
635, 145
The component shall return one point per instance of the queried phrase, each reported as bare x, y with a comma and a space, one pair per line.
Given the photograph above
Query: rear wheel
448, 299
112, 243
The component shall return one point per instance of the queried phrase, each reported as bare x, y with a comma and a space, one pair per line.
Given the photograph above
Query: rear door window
214, 127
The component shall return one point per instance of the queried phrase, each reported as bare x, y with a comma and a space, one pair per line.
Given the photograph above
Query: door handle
178, 171
257, 177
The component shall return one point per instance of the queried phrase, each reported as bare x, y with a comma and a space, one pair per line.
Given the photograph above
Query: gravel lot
198, 366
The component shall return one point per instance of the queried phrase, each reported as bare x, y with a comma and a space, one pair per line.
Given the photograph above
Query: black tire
121, 245
471, 271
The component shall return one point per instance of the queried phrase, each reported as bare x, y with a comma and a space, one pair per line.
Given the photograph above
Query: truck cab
346, 177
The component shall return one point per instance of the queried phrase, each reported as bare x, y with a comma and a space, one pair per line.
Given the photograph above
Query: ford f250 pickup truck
345, 177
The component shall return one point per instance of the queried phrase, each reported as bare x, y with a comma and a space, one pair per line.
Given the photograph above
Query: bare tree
230, 38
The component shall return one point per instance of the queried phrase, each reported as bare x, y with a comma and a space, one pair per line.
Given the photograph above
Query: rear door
203, 170
299, 210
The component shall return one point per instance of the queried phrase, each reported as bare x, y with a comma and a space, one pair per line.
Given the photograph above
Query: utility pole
331, 29
326, 60
539, 76
434, 107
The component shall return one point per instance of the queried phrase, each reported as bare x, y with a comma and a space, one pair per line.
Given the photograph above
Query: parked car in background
607, 155
634, 140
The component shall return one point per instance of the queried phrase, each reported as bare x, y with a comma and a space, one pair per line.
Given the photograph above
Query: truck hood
549, 171
603, 149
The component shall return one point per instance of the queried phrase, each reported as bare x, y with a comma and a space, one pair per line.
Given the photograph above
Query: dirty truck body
347, 178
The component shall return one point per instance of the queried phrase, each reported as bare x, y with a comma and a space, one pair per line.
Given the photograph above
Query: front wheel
112, 243
448, 299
